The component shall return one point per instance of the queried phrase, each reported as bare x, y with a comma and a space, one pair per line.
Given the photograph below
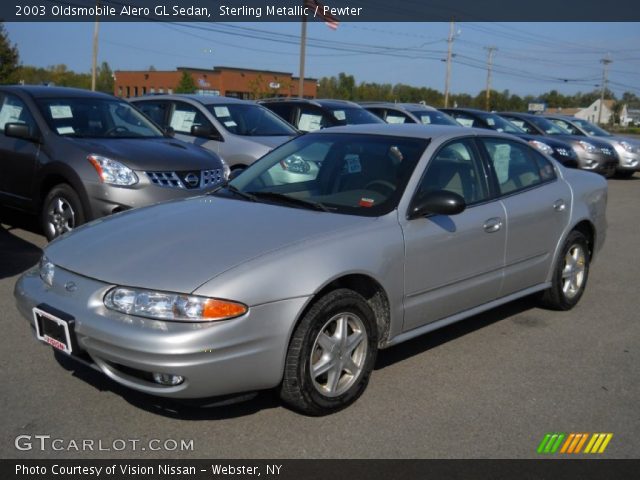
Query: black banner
343, 10
582, 469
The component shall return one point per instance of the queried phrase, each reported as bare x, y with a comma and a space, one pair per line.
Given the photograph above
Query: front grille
165, 179
184, 180
607, 151
563, 151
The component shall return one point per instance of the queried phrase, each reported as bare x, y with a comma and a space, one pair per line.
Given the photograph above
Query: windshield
354, 116
590, 128
250, 120
428, 117
548, 126
95, 118
498, 123
353, 174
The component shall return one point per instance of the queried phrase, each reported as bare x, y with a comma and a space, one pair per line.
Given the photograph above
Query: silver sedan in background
273, 282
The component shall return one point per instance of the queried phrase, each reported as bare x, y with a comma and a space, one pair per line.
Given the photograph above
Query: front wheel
570, 274
331, 354
61, 211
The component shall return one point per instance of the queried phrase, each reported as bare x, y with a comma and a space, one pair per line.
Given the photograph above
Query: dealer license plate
52, 330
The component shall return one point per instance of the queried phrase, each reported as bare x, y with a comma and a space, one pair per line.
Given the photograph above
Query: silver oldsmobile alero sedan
295, 281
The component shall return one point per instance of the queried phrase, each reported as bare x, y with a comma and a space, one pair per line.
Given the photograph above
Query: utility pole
605, 70
489, 67
94, 61
303, 43
449, 56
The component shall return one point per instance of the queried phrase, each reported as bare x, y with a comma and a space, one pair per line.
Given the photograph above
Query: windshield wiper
291, 200
240, 193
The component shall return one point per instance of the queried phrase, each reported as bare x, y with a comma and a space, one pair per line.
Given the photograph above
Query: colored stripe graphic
573, 443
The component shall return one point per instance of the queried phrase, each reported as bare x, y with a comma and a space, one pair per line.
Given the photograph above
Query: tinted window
96, 117
566, 126
499, 124
517, 166
518, 122
156, 111
353, 116
281, 109
393, 116
465, 120
13, 110
250, 120
428, 117
456, 168
312, 118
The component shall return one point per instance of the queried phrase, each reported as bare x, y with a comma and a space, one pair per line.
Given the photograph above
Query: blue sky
531, 58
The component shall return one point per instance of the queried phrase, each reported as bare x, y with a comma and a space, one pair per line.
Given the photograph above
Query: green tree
186, 85
104, 78
8, 57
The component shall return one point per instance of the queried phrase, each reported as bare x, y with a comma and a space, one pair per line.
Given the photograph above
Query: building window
144, 90
170, 91
119, 91
152, 90
128, 92
135, 91
160, 90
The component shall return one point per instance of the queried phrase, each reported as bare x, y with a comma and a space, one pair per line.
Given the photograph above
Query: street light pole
605, 62
489, 67
449, 55
94, 60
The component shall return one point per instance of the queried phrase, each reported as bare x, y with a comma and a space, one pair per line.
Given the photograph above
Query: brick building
226, 81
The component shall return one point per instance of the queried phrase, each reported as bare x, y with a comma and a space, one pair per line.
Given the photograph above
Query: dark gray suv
72, 156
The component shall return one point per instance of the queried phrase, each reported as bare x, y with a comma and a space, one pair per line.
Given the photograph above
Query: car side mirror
440, 202
205, 131
22, 131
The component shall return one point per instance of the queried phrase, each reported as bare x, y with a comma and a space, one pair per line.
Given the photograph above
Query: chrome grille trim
165, 179
208, 178
211, 177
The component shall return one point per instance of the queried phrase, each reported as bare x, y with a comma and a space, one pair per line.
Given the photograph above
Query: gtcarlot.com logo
573, 443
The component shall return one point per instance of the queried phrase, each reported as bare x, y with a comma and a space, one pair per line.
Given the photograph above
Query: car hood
596, 142
150, 153
555, 143
178, 246
272, 141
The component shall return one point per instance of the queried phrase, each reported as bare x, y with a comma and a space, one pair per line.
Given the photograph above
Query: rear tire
331, 354
625, 173
570, 274
61, 211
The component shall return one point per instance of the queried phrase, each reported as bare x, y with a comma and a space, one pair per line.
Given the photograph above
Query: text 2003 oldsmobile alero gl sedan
332, 246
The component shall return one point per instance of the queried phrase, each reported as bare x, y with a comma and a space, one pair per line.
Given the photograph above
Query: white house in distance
592, 113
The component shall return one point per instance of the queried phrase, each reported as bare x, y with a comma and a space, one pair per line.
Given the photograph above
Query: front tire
61, 211
570, 274
331, 354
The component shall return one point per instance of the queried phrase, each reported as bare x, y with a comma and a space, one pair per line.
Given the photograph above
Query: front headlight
543, 147
590, 148
46, 270
627, 146
171, 306
226, 171
112, 171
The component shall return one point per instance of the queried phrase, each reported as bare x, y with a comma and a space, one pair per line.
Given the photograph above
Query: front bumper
219, 358
598, 162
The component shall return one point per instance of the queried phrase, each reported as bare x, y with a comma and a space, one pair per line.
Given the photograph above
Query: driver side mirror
22, 131
440, 202
205, 131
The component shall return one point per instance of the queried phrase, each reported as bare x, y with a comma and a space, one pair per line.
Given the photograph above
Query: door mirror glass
20, 130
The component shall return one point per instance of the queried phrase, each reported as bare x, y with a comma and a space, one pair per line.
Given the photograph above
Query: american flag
329, 20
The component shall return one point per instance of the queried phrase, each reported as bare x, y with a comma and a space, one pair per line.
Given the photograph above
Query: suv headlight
589, 147
46, 270
543, 147
171, 306
627, 146
112, 171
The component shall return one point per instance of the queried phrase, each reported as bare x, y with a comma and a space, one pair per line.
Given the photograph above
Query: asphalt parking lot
489, 387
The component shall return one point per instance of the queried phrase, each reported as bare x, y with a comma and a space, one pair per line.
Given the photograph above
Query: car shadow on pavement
218, 408
438, 337
16, 255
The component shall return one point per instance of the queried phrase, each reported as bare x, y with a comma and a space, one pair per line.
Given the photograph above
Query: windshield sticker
465, 122
490, 121
426, 119
230, 123
309, 122
395, 119
352, 163
65, 130
60, 111
10, 114
501, 157
221, 111
366, 202
339, 114
182, 121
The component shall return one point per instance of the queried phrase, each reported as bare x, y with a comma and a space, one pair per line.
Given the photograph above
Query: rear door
537, 205
454, 263
18, 157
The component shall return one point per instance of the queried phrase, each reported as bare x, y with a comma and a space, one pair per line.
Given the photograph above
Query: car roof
468, 110
322, 102
43, 91
203, 99
413, 130
401, 106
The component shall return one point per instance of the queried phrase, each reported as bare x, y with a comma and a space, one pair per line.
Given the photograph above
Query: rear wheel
331, 354
61, 211
625, 173
570, 274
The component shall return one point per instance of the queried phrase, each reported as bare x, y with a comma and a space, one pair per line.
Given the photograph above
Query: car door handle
492, 225
559, 205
